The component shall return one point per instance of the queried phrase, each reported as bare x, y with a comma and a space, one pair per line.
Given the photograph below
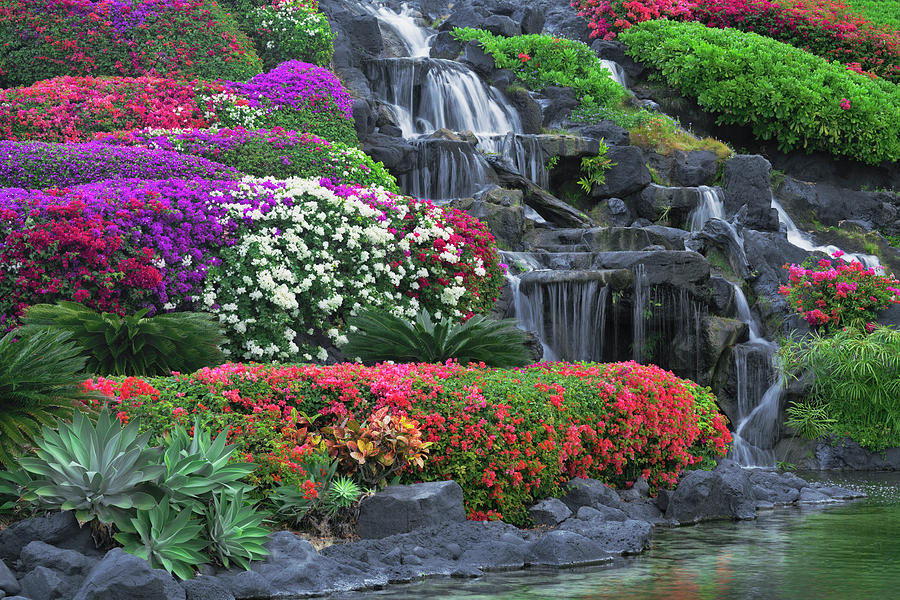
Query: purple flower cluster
41, 165
298, 85
212, 142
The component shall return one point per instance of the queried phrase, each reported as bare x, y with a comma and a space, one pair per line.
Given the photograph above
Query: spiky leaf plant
39, 381
135, 344
233, 527
197, 466
101, 472
167, 539
382, 336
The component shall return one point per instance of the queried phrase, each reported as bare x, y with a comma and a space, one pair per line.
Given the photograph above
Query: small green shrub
856, 384
382, 336
290, 30
782, 93
39, 381
593, 168
234, 531
543, 60
132, 345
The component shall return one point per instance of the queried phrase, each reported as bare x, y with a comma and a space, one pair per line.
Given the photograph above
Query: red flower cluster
509, 437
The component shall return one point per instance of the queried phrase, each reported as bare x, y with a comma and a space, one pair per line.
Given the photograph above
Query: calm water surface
849, 551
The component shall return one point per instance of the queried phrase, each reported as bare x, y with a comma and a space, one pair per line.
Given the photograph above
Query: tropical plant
381, 336
100, 471
198, 466
810, 419
593, 168
233, 527
856, 383
342, 493
167, 539
13, 489
39, 382
136, 344
378, 448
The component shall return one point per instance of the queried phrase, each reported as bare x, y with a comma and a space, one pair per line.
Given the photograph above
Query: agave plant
167, 539
197, 466
136, 344
101, 472
382, 336
233, 527
39, 381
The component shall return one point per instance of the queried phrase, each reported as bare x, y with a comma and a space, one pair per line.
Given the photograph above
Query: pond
846, 551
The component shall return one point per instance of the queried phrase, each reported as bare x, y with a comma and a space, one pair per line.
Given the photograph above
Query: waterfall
639, 325
430, 94
445, 169
616, 72
803, 240
711, 207
415, 38
524, 153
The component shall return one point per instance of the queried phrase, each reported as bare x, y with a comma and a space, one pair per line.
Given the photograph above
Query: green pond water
846, 551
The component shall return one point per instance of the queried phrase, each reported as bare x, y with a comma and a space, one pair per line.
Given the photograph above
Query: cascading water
616, 72
641, 305
444, 170
523, 152
711, 207
415, 38
803, 240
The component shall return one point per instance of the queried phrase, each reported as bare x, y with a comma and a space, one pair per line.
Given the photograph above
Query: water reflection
848, 551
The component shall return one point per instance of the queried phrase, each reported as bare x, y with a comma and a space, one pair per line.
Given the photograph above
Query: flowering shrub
291, 30
306, 257
277, 153
835, 293
317, 253
542, 60
782, 93
43, 39
509, 437
295, 96
822, 27
40, 165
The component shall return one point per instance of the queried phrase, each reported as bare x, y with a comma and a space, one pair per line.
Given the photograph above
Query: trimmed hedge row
782, 93
509, 437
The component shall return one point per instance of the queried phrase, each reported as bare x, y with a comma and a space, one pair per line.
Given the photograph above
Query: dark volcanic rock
531, 19
561, 101
747, 184
609, 132
694, 168
502, 25
831, 204
59, 529
628, 175
590, 492
845, 454
122, 576
8, 583
614, 537
551, 511
445, 46
563, 548
477, 59
398, 509
205, 588
724, 493
677, 203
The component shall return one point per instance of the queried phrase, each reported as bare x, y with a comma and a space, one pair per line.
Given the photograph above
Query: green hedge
782, 93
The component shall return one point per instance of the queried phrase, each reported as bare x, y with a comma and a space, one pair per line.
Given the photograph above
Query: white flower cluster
310, 259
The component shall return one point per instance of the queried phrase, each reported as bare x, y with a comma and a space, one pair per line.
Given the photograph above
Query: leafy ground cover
277, 153
295, 95
822, 27
782, 93
508, 437
885, 12
44, 39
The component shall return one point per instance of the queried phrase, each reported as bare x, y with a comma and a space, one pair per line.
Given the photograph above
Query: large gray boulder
8, 584
846, 455
747, 183
402, 508
563, 548
674, 203
614, 537
628, 174
551, 511
724, 493
123, 576
59, 529
590, 492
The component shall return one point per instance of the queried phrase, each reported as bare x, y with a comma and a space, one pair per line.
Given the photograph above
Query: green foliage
543, 60
13, 488
132, 345
593, 168
810, 419
290, 30
856, 389
234, 531
39, 381
883, 12
167, 538
663, 135
382, 336
101, 472
782, 93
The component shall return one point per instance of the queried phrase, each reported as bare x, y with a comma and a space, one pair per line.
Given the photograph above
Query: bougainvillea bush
294, 95
261, 152
822, 27
42, 39
835, 293
782, 93
42, 165
543, 60
291, 30
509, 437
282, 263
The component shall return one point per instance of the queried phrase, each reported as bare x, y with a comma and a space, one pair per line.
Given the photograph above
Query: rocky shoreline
409, 532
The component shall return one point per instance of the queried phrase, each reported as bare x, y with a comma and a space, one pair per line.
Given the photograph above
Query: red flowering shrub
48, 38
509, 437
834, 294
822, 27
